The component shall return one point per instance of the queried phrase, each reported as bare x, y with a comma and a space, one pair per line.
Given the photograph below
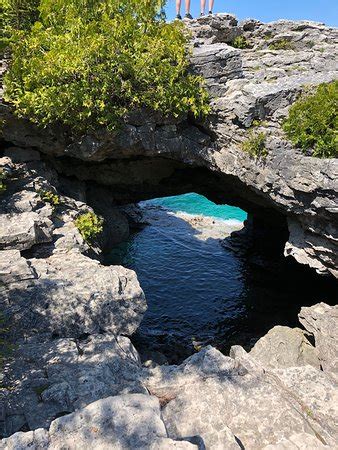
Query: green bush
87, 63
283, 44
255, 145
16, 15
50, 197
89, 225
240, 42
312, 122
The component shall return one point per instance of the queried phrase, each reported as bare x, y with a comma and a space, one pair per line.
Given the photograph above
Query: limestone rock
70, 295
301, 441
284, 347
122, 422
322, 321
22, 231
220, 400
63, 375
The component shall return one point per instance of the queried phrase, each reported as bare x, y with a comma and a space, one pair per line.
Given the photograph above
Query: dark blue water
196, 289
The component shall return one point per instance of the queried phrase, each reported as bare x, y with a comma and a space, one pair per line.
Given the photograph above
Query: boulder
22, 231
68, 295
223, 401
285, 347
121, 422
64, 375
322, 321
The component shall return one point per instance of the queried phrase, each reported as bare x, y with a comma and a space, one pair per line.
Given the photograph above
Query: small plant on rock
89, 225
240, 42
50, 197
282, 44
312, 122
255, 145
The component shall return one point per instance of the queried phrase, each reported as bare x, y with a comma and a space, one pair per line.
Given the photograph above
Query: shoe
210, 13
178, 17
202, 15
188, 16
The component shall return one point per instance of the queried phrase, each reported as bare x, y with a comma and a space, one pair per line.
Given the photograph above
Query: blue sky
266, 10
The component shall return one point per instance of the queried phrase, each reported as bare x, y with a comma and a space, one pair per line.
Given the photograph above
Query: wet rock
284, 347
122, 422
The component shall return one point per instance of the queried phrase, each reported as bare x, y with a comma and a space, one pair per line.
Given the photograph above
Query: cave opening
208, 279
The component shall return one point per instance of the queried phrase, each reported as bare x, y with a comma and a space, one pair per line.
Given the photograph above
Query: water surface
199, 292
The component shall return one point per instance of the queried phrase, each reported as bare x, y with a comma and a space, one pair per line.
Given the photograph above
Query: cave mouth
204, 286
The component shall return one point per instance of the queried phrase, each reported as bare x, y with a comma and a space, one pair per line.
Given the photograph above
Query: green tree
87, 63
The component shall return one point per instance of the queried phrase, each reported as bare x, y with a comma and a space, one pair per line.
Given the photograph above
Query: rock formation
248, 400
73, 378
249, 88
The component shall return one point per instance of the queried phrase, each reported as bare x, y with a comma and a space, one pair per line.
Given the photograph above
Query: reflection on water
197, 290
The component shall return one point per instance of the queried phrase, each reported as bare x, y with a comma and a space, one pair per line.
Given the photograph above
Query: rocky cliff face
73, 379
249, 88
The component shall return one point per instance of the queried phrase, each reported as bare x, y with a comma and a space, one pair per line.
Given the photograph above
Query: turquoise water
197, 204
198, 290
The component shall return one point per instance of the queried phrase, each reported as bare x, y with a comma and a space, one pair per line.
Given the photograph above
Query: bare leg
203, 6
187, 6
211, 5
178, 6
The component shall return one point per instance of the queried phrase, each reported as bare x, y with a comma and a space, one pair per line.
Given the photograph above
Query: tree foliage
88, 62
312, 123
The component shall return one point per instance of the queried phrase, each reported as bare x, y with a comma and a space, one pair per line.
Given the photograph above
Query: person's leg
211, 5
178, 8
187, 10
202, 7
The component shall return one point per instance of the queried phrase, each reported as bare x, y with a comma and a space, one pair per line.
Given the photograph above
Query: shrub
282, 44
16, 15
312, 122
240, 42
87, 63
89, 225
255, 145
50, 197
